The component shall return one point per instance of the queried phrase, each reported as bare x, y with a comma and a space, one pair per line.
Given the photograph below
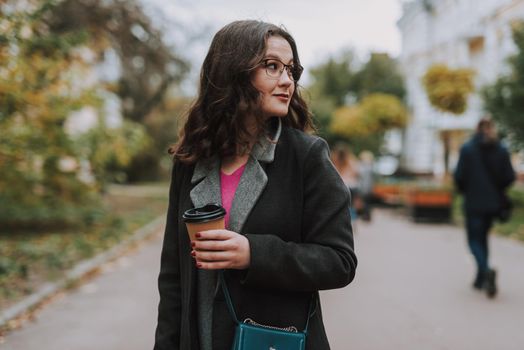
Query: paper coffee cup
208, 217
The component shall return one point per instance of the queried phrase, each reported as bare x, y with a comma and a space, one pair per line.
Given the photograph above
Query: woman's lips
282, 97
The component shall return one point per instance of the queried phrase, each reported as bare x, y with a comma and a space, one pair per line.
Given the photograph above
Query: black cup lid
208, 212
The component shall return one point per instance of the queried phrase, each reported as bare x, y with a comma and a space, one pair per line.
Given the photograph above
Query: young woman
288, 233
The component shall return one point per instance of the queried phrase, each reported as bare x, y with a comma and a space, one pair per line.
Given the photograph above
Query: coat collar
263, 151
206, 176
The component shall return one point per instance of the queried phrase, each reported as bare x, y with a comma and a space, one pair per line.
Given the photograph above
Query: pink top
228, 187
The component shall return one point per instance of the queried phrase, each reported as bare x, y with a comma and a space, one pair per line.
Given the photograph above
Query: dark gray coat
294, 209
477, 161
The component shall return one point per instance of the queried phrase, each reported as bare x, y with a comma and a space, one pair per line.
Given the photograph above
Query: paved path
411, 292
114, 311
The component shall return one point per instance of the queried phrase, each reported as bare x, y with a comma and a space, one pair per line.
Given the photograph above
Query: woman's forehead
278, 47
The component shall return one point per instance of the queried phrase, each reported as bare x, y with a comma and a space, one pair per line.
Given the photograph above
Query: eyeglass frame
291, 69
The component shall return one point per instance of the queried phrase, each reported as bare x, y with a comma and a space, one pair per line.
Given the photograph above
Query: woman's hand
221, 249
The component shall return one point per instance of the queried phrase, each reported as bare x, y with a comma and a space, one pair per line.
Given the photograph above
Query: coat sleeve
508, 174
459, 174
167, 334
325, 258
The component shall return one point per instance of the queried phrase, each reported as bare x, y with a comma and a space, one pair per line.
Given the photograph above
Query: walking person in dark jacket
483, 174
247, 145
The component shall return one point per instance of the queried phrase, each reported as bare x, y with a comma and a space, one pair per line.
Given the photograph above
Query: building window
476, 45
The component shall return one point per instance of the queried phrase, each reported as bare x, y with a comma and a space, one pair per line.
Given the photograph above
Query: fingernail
193, 253
193, 244
199, 265
197, 235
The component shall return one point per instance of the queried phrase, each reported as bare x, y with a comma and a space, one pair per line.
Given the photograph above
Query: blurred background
92, 93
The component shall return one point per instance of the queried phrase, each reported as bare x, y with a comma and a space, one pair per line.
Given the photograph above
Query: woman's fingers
214, 260
215, 235
215, 245
211, 256
214, 265
218, 249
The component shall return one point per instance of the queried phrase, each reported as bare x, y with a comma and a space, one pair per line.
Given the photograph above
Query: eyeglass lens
275, 68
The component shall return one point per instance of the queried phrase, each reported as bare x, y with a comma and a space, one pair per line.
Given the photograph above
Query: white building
461, 34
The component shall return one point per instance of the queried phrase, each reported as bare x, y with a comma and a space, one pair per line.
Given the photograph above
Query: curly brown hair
216, 121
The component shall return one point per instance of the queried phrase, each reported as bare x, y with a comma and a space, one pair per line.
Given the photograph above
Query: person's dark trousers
366, 207
477, 228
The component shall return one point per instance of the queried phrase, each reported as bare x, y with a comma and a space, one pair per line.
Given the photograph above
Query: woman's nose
284, 77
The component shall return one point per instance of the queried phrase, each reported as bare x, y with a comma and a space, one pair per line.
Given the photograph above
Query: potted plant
429, 201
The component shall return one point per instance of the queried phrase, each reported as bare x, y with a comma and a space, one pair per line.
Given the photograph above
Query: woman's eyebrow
278, 58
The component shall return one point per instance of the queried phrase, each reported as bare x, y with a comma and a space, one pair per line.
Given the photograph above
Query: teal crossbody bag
250, 335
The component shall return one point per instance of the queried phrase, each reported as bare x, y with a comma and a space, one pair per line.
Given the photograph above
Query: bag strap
312, 309
312, 304
227, 296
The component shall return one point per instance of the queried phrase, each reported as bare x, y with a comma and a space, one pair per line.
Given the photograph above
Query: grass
29, 259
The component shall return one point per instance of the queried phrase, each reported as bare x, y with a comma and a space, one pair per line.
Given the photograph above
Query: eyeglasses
274, 69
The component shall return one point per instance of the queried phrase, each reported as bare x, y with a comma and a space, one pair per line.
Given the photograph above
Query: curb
79, 270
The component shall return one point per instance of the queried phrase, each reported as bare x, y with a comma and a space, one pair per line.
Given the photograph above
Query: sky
321, 28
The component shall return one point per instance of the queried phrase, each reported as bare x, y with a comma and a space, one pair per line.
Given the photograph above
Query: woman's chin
280, 113
276, 114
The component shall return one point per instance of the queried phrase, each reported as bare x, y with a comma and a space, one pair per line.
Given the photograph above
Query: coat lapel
250, 187
254, 179
208, 189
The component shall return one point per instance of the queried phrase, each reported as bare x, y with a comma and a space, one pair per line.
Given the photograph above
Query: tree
448, 89
329, 89
148, 65
333, 78
503, 99
44, 78
162, 122
338, 88
111, 150
380, 74
363, 125
39, 74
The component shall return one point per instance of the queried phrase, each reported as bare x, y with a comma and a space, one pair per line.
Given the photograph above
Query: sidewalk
114, 311
412, 291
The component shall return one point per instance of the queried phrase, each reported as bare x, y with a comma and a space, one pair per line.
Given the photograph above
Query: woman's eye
272, 65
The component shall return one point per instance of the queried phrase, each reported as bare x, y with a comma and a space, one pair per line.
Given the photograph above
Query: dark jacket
293, 207
483, 171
